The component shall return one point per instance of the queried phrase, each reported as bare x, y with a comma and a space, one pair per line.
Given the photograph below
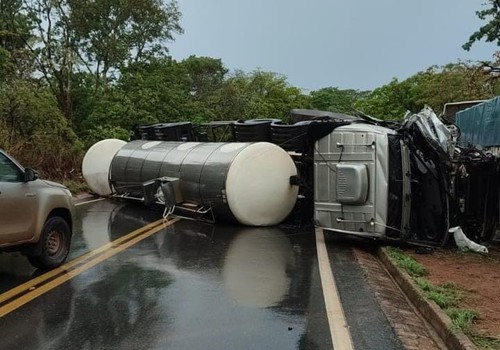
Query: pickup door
18, 203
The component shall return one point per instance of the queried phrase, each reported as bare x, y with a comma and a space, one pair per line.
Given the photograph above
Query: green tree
160, 90
258, 94
491, 30
33, 129
434, 87
386, 102
450, 83
336, 100
15, 32
114, 33
5, 64
197, 89
100, 37
157, 91
205, 77
15, 26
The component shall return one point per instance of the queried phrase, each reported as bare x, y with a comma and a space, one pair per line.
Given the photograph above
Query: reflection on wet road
91, 231
189, 286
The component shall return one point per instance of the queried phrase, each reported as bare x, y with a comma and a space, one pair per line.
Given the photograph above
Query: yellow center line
64, 268
107, 251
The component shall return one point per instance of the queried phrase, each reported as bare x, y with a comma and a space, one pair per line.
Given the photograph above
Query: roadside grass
485, 342
407, 263
76, 186
446, 296
462, 318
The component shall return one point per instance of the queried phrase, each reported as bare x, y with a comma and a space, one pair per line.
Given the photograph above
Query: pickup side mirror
30, 175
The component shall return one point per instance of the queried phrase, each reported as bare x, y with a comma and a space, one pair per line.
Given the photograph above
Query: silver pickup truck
36, 216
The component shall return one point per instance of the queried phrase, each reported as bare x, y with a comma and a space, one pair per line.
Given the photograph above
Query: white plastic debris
465, 243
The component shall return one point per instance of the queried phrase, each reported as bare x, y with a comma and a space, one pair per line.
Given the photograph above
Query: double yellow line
26, 292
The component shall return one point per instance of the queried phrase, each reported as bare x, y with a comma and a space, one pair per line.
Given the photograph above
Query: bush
35, 132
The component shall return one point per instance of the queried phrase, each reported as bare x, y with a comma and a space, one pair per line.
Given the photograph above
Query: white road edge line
339, 330
88, 202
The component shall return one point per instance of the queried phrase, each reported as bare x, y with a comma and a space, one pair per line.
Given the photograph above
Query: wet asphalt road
190, 286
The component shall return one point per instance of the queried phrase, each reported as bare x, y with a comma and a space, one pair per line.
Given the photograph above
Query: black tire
53, 247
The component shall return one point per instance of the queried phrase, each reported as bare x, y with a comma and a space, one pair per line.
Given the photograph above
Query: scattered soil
477, 275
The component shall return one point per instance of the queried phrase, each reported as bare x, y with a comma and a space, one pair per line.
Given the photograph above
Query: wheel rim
53, 243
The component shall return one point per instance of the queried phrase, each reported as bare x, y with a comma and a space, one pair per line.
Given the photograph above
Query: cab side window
9, 172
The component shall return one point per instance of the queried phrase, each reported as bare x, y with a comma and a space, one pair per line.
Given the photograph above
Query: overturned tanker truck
354, 175
245, 182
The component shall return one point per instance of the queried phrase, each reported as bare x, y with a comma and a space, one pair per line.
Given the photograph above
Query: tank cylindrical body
249, 182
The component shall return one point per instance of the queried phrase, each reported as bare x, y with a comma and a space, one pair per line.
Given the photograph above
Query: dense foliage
434, 87
489, 31
73, 72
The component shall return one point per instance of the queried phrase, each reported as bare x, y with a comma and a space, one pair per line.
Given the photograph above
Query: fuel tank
248, 182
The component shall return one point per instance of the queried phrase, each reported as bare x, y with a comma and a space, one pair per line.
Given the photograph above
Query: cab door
18, 203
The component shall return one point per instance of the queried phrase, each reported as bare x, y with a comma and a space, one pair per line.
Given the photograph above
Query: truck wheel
53, 247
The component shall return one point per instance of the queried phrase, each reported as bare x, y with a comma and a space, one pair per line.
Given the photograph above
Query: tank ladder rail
128, 196
198, 212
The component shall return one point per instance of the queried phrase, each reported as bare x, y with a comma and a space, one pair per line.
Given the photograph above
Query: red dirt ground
478, 275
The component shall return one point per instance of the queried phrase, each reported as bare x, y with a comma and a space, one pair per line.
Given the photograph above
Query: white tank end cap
96, 164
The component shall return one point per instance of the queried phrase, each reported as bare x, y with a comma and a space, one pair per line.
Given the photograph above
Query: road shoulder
452, 338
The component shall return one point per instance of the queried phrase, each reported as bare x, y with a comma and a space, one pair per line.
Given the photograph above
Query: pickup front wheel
53, 245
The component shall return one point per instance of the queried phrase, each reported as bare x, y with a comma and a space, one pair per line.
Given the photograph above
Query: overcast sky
360, 44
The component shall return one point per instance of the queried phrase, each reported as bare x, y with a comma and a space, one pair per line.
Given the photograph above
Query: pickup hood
55, 184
